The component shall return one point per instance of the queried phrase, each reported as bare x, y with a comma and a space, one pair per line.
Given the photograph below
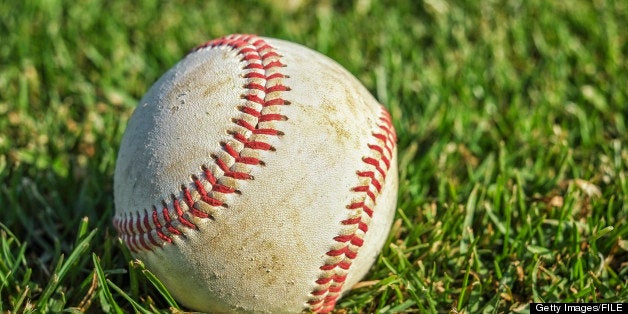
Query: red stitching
333, 272
147, 230
273, 64
158, 228
250, 110
179, 212
204, 196
276, 75
251, 128
255, 75
276, 102
256, 99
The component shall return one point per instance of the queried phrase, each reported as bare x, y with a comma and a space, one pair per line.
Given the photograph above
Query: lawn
511, 119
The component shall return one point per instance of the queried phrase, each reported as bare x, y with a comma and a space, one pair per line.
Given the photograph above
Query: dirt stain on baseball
342, 134
214, 87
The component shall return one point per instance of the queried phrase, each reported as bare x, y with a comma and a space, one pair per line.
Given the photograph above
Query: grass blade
157, 284
62, 269
104, 288
136, 306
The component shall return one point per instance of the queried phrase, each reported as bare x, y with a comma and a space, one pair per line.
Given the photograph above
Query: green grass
511, 118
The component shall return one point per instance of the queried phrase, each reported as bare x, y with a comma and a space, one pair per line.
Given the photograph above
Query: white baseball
256, 175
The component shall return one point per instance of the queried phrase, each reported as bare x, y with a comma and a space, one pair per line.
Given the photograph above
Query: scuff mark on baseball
256, 175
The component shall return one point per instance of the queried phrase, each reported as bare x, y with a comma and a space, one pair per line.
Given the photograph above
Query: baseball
256, 175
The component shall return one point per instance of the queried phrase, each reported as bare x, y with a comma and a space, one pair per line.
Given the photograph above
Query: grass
511, 118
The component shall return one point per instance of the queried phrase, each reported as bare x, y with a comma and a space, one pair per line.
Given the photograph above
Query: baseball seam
152, 228
328, 287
